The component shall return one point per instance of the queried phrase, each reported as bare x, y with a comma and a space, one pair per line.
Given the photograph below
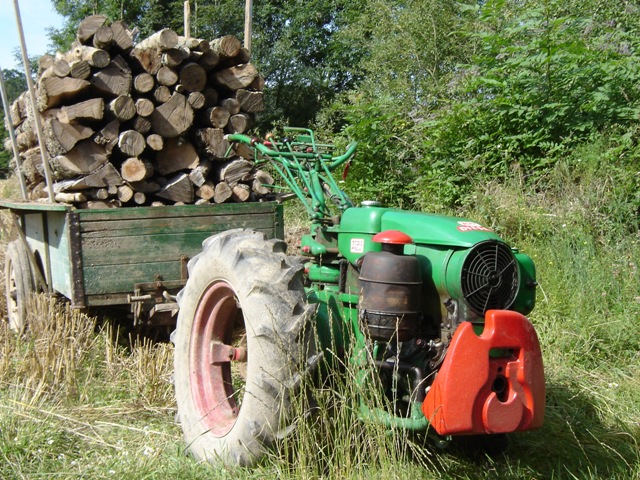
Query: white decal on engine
357, 245
472, 227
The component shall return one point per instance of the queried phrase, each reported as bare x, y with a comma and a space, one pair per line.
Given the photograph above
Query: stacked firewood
142, 123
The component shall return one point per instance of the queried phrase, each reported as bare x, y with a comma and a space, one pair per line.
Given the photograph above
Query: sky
37, 16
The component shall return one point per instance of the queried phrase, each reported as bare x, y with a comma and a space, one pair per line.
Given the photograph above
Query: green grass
78, 399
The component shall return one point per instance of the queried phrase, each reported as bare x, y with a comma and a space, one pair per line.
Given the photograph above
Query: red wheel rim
212, 389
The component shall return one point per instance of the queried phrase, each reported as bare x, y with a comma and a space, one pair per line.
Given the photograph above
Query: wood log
245, 151
99, 204
216, 117
59, 68
125, 193
208, 60
122, 38
115, 79
240, 192
103, 177
149, 186
70, 197
177, 154
234, 78
60, 137
142, 125
226, 46
162, 94
199, 174
231, 105
147, 59
144, 107
96, 57
162, 39
123, 108
103, 37
44, 62
89, 26
53, 91
155, 142
179, 189
131, 143
80, 69
210, 97
139, 198
233, 171
136, 169
173, 117
196, 100
239, 123
167, 76
32, 166
89, 110
193, 77
206, 191
222, 193
257, 84
25, 140
212, 141
97, 194
173, 57
86, 157
108, 136
143, 82
261, 182
250, 102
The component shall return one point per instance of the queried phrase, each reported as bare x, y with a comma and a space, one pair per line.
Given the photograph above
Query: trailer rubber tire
19, 284
241, 284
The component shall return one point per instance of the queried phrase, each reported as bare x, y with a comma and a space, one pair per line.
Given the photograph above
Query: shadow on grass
574, 443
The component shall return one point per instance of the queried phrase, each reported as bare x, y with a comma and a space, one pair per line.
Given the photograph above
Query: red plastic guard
475, 392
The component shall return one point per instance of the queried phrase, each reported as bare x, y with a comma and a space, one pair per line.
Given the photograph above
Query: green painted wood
34, 206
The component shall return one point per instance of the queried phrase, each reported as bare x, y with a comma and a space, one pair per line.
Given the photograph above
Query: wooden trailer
120, 256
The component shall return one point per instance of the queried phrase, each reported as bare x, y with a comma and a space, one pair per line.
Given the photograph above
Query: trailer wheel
241, 343
19, 284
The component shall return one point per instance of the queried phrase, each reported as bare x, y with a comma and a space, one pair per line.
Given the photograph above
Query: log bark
209, 60
89, 110
176, 155
96, 57
173, 117
173, 57
60, 137
136, 169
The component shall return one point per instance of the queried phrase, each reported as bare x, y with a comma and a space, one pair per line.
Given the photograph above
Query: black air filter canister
390, 285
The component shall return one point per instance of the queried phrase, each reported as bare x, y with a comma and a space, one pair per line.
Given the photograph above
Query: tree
15, 84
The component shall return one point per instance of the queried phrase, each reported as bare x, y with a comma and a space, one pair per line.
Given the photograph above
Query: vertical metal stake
12, 135
187, 18
248, 14
34, 108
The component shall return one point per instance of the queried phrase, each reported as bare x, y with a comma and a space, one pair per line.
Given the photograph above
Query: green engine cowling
466, 268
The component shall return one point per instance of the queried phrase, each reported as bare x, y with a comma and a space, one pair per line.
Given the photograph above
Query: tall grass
80, 399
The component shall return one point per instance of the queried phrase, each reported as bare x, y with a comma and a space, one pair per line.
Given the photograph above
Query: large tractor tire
19, 284
242, 344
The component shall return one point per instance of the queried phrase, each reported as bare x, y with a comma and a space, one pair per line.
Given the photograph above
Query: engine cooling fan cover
489, 277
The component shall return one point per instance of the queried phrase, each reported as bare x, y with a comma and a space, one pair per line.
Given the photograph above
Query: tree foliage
15, 84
